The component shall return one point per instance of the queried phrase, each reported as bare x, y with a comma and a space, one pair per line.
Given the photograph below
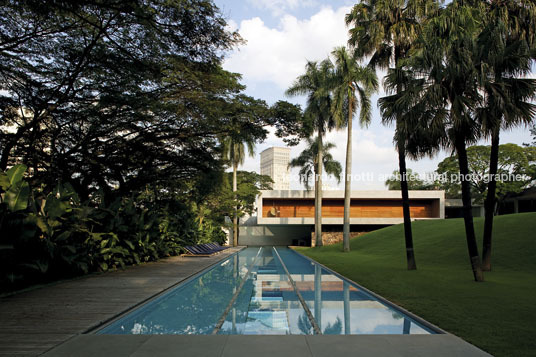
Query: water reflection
339, 307
267, 302
193, 308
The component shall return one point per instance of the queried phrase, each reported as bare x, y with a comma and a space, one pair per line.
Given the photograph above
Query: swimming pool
266, 291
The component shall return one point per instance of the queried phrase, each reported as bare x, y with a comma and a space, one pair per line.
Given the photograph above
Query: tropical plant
316, 85
234, 150
445, 65
385, 31
505, 58
307, 163
351, 78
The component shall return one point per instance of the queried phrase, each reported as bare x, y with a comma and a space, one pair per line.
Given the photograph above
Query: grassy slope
498, 315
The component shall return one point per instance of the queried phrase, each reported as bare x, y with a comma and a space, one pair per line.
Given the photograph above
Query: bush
52, 236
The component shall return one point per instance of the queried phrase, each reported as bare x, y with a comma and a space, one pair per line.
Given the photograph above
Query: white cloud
279, 7
274, 56
279, 54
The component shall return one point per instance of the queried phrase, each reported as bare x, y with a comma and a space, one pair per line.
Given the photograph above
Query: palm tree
349, 79
385, 30
315, 84
446, 70
234, 150
504, 49
308, 164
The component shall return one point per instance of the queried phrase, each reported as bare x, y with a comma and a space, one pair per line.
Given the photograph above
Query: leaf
63, 236
41, 223
55, 208
103, 266
17, 196
16, 173
4, 181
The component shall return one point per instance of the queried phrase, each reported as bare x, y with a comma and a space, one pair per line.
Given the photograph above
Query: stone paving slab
441, 345
35, 321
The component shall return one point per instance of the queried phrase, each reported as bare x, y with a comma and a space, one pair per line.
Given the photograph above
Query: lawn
498, 315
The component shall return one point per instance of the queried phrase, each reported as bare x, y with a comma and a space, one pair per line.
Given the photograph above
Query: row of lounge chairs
203, 250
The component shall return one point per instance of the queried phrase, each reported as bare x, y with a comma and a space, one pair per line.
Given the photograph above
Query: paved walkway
444, 345
33, 322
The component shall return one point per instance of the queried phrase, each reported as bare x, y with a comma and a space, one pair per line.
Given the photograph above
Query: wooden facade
359, 208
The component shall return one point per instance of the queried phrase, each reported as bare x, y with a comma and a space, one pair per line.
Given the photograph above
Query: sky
281, 36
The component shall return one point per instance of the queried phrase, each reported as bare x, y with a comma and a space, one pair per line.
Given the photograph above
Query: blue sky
281, 36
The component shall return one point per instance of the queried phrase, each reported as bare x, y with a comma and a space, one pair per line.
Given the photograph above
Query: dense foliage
516, 166
118, 110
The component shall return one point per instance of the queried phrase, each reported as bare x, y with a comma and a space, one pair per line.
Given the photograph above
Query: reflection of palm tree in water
304, 324
407, 323
335, 329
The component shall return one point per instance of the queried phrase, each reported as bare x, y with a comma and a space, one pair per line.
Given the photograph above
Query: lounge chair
203, 250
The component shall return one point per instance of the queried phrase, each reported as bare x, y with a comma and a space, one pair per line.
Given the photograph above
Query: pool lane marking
235, 295
304, 304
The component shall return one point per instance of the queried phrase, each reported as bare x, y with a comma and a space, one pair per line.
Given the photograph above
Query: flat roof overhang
339, 194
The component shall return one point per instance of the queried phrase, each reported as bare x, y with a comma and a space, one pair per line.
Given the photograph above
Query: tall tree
307, 163
112, 94
385, 30
505, 58
243, 115
446, 65
234, 150
351, 78
315, 84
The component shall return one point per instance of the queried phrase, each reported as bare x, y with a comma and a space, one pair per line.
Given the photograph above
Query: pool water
266, 291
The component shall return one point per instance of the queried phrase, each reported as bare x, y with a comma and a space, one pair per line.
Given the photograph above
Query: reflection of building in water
337, 306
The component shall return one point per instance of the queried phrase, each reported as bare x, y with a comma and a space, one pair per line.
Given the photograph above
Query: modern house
286, 217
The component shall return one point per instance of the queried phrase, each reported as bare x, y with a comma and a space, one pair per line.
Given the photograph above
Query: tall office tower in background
274, 163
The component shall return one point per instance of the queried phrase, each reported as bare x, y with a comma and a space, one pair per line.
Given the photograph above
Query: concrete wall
273, 234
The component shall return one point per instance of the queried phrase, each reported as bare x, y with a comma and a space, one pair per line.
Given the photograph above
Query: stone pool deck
53, 320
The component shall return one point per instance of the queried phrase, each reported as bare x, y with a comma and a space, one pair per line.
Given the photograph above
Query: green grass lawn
498, 315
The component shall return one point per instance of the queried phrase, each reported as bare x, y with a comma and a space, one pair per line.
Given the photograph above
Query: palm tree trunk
318, 193
235, 217
410, 253
347, 182
467, 212
489, 204
408, 234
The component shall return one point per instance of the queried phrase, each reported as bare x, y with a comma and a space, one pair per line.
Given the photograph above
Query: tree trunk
489, 204
410, 253
347, 182
235, 217
318, 193
467, 212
